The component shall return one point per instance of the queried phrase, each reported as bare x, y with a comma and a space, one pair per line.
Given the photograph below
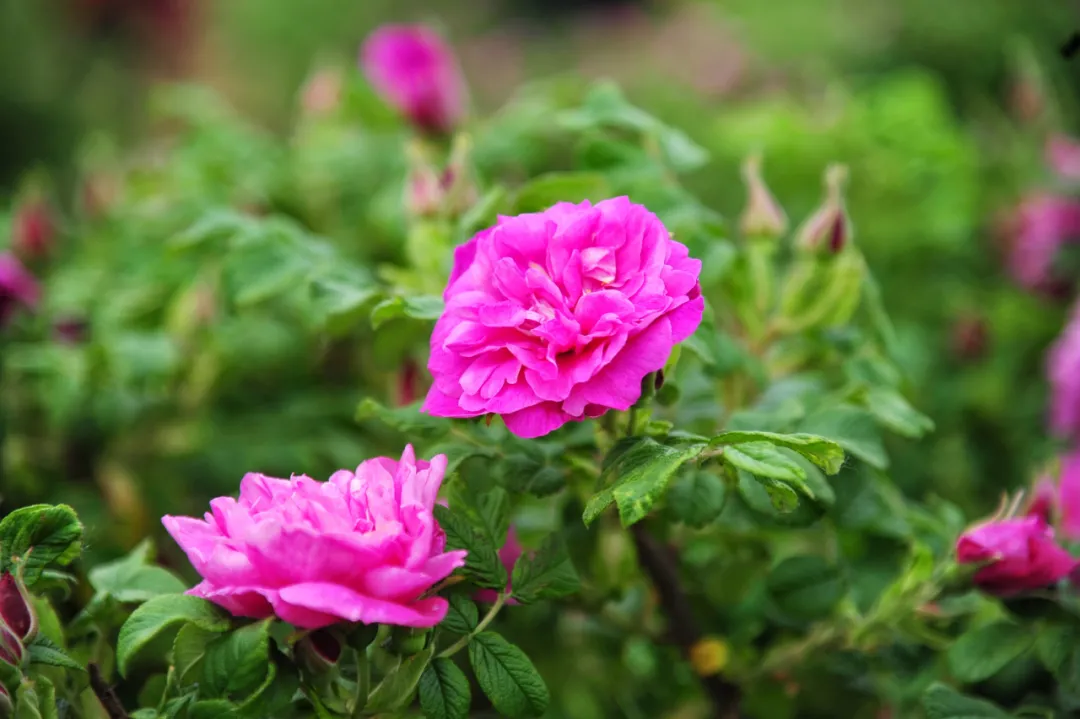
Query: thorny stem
661, 564
460, 644
105, 694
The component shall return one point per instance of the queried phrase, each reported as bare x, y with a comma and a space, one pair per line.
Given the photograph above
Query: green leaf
680, 152
462, 615
641, 472
236, 664
1058, 648
485, 211
44, 651
27, 704
189, 650
39, 535
545, 190
262, 270
853, 429
444, 691
482, 561
507, 677
531, 476
487, 508
407, 420
778, 496
982, 652
717, 350
275, 694
396, 689
942, 702
36, 700
162, 614
419, 307
823, 452
133, 579
762, 459
805, 587
546, 575
894, 412
341, 305
215, 225
212, 709
697, 497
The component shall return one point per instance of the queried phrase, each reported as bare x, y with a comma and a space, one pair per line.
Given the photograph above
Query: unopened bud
319, 651
34, 230
16, 611
322, 92
457, 179
763, 216
11, 649
829, 228
99, 193
970, 337
71, 331
424, 193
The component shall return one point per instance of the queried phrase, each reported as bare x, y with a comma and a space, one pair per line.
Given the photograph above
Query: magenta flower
508, 555
1019, 554
1063, 156
1043, 223
414, 69
559, 315
1063, 373
17, 287
1068, 499
361, 547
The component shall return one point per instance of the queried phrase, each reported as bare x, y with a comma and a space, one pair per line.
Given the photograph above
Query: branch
662, 566
105, 694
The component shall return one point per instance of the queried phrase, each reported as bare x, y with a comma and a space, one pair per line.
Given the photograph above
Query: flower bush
652, 436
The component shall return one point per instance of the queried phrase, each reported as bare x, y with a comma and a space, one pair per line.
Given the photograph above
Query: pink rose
17, 287
417, 73
1063, 156
361, 547
1063, 373
559, 315
1020, 555
1069, 496
508, 555
1043, 223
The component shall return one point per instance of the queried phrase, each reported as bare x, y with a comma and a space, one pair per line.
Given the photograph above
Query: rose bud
1018, 554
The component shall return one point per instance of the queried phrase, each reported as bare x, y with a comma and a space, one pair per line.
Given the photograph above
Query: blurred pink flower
415, 70
1063, 156
1043, 503
361, 547
1019, 554
559, 315
1042, 224
17, 287
34, 231
508, 555
1063, 373
1068, 503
